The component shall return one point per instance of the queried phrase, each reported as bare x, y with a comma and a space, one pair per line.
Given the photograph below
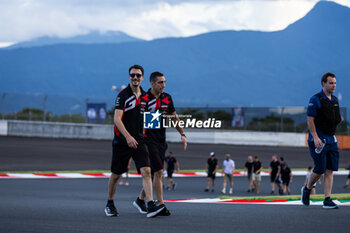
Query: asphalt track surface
77, 205
45, 154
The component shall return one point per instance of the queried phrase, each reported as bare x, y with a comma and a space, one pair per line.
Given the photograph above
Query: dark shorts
122, 153
327, 159
170, 173
349, 176
249, 176
157, 155
211, 175
273, 177
286, 180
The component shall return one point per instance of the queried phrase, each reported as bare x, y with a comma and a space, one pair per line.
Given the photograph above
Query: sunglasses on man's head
137, 75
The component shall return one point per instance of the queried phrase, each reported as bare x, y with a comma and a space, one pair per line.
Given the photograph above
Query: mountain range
223, 68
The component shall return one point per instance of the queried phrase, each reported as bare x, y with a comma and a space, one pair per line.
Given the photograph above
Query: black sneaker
153, 210
174, 186
164, 212
140, 206
272, 192
212, 190
206, 190
305, 196
280, 191
111, 211
329, 204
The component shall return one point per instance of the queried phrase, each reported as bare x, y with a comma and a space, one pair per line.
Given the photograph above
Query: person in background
275, 169
228, 170
248, 167
211, 167
286, 176
256, 176
121, 183
171, 164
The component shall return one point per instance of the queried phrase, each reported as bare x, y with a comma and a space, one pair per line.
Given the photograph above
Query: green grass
317, 197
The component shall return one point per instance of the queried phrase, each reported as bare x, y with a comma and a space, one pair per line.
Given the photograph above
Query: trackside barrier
239, 137
3, 127
105, 132
59, 130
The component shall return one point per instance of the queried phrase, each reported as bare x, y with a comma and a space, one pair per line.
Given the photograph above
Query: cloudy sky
22, 20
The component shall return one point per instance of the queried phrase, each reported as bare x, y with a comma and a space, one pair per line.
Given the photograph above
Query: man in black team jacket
155, 99
129, 142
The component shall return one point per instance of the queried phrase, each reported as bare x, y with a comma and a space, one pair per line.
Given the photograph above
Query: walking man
275, 175
158, 100
129, 142
323, 116
171, 164
211, 167
228, 169
257, 168
248, 167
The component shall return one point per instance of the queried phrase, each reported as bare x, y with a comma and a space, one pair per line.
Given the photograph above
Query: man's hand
184, 140
131, 142
318, 142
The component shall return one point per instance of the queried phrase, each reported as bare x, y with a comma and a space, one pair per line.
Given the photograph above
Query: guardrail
205, 136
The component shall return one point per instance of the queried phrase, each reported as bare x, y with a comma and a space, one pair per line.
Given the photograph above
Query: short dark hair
137, 67
282, 159
309, 168
153, 77
256, 157
325, 76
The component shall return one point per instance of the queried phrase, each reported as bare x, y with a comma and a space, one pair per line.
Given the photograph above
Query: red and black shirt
165, 105
132, 117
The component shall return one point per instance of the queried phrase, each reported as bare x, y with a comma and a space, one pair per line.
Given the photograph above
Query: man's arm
118, 114
177, 166
312, 128
279, 171
257, 172
175, 118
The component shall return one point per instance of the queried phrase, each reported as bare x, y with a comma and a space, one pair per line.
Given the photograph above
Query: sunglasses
137, 75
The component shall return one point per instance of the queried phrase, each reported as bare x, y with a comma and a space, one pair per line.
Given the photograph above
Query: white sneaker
230, 192
223, 191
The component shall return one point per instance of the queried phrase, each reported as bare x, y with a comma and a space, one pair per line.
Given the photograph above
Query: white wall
3, 127
95, 131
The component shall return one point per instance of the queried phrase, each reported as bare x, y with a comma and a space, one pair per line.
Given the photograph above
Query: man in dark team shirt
257, 168
275, 175
129, 142
323, 116
211, 167
171, 164
249, 167
157, 100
